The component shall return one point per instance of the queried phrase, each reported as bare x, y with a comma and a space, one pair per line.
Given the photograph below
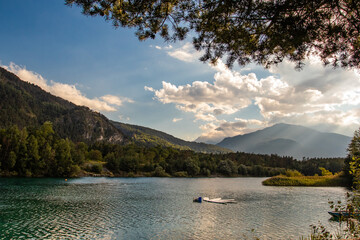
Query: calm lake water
159, 208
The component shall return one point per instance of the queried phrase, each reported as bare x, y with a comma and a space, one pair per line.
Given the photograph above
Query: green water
158, 208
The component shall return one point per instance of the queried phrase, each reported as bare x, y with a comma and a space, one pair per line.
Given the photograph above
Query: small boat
198, 199
219, 200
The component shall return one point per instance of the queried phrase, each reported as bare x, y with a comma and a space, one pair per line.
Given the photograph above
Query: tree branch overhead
261, 31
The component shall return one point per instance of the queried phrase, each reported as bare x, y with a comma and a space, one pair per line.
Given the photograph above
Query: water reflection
158, 208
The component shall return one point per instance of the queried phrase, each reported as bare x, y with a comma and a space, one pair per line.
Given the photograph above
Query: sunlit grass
315, 181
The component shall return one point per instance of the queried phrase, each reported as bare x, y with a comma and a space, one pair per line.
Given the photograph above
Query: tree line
37, 152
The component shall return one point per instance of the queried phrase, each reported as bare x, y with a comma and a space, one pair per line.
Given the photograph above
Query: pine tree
262, 31
352, 162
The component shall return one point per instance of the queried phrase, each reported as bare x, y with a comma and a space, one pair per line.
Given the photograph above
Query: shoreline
279, 180
128, 175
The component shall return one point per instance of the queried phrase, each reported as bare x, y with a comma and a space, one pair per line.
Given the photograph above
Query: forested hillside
24, 104
151, 137
41, 152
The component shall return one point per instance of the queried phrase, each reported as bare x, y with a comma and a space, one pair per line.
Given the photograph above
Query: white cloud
28, 76
149, 89
205, 117
160, 48
186, 53
115, 100
176, 119
316, 95
67, 91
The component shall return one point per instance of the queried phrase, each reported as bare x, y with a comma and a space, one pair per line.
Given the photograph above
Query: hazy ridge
289, 140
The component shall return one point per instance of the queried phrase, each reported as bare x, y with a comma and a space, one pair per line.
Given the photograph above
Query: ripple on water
152, 208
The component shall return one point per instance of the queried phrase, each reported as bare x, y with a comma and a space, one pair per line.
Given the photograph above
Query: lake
159, 208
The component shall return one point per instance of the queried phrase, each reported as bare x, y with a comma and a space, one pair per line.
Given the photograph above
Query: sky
164, 86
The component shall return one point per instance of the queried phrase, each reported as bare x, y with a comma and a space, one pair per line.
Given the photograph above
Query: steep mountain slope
153, 137
25, 104
290, 140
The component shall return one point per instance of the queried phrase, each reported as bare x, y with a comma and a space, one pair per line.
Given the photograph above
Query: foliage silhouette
265, 32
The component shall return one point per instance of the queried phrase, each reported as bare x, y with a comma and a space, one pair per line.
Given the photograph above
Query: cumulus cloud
112, 100
67, 91
312, 92
229, 93
316, 95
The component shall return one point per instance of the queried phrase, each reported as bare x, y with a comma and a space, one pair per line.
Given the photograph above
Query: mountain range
289, 140
154, 137
25, 105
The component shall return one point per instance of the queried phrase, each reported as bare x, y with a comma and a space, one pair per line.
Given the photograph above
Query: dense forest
41, 152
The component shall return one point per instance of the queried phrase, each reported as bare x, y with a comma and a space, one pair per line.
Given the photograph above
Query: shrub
206, 172
325, 172
180, 174
96, 168
293, 173
160, 172
75, 170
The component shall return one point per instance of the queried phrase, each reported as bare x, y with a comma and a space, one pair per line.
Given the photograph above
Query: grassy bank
310, 181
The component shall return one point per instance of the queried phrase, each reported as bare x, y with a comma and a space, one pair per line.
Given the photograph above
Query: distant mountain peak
290, 140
